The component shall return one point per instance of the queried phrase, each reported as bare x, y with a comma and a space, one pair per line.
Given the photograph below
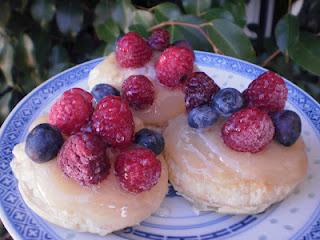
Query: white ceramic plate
297, 217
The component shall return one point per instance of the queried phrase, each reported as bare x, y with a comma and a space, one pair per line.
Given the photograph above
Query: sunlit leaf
144, 18
230, 39
196, 7
287, 32
215, 13
108, 31
166, 11
306, 52
43, 11
238, 10
139, 29
122, 14
102, 11
69, 18
192, 35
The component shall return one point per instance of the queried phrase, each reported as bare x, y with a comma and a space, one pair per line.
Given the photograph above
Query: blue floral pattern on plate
175, 219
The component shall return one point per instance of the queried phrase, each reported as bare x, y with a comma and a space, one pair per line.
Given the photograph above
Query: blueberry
102, 90
227, 101
287, 127
202, 117
43, 143
150, 139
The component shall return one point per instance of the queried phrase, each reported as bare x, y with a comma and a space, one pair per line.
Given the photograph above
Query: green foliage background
39, 38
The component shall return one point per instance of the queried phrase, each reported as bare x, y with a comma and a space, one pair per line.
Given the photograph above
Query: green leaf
306, 52
238, 10
109, 49
230, 39
69, 18
193, 36
166, 11
139, 29
196, 7
143, 18
287, 32
122, 14
215, 13
43, 11
5, 13
109, 31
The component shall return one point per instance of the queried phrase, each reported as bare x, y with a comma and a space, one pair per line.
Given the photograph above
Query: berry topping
199, 90
113, 121
83, 158
267, 92
71, 111
227, 101
138, 90
174, 66
86, 95
138, 170
102, 90
202, 117
159, 39
132, 51
248, 130
43, 143
150, 139
287, 127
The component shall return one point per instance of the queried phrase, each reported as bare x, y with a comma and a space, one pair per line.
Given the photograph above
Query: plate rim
7, 221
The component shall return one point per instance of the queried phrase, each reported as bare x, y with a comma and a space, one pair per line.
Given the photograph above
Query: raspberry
174, 66
88, 97
138, 90
113, 121
267, 92
83, 158
248, 130
71, 111
138, 169
199, 90
132, 51
159, 39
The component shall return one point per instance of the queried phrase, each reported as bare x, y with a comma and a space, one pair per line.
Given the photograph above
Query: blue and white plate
297, 217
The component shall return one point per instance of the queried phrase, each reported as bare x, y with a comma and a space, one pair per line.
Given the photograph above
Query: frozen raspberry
248, 130
174, 66
113, 121
159, 39
267, 92
138, 90
71, 111
132, 51
199, 90
82, 92
138, 169
83, 158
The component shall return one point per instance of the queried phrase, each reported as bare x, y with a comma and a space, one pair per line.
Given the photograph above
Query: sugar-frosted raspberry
83, 158
199, 90
71, 111
87, 96
248, 130
267, 92
132, 51
174, 66
138, 169
138, 90
159, 39
113, 121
